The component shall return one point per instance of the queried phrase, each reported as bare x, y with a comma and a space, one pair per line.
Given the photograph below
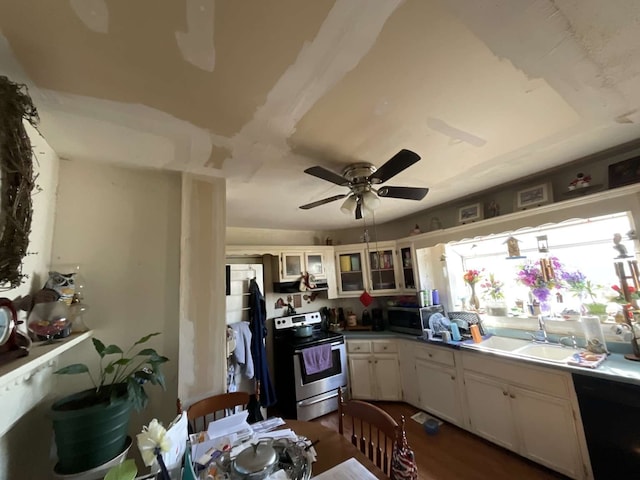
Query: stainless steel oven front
317, 394
301, 395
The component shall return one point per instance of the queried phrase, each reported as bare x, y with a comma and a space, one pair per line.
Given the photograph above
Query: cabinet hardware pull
512, 396
430, 355
453, 377
505, 393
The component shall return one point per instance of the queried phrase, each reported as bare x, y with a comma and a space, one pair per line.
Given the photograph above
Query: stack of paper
350, 469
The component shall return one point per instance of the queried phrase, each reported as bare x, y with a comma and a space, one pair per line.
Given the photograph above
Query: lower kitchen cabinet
374, 375
489, 410
525, 410
547, 430
438, 391
406, 356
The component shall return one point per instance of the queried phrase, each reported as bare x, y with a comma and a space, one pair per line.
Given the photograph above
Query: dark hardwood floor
455, 454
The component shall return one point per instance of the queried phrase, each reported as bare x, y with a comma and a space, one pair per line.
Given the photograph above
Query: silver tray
292, 458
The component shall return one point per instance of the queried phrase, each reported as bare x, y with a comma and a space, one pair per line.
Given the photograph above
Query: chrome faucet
574, 342
542, 328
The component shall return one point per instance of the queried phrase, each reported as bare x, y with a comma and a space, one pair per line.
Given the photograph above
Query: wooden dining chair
213, 408
372, 430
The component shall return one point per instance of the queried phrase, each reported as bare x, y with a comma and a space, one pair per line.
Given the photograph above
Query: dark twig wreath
16, 180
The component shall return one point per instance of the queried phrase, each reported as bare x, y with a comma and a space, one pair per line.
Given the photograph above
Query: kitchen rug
422, 417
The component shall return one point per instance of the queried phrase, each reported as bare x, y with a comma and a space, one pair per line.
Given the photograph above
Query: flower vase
545, 308
474, 301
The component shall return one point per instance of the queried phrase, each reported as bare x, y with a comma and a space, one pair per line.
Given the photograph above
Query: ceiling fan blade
359, 209
401, 160
408, 193
327, 175
322, 202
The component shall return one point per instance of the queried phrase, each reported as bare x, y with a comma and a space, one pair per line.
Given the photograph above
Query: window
586, 245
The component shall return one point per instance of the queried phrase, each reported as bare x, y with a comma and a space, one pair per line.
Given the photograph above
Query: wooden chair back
213, 408
371, 429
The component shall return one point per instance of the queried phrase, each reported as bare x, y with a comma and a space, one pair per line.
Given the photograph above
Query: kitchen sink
502, 344
550, 353
525, 348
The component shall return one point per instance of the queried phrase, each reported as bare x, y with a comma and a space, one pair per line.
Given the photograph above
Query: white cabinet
291, 265
489, 409
407, 359
525, 409
382, 264
439, 389
350, 268
373, 370
407, 267
546, 430
374, 270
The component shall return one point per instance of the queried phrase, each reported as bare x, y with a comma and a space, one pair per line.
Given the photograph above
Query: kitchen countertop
615, 367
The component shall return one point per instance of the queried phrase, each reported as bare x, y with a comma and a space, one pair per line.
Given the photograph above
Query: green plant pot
89, 432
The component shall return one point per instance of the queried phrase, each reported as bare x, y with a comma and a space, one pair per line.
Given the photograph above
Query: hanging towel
317, 359
242, 353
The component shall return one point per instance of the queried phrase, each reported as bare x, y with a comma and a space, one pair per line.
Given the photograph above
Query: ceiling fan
360, 179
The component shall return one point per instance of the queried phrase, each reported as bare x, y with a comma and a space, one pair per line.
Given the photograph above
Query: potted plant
91, 426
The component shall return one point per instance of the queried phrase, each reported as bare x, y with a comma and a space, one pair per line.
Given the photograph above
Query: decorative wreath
17, 180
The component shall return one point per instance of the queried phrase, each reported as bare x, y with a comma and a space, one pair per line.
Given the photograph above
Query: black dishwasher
611, 418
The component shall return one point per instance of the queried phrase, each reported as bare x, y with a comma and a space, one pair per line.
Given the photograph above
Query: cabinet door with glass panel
350, 267
382, 266
406, 267
294, 263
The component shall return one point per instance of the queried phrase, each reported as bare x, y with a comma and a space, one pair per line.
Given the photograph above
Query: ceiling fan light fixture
349, 205
370, 201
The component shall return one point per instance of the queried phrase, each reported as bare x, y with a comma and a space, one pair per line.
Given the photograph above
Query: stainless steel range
302, 395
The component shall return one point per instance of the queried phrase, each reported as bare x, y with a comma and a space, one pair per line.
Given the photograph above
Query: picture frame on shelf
624, 173
534, 196
470, 213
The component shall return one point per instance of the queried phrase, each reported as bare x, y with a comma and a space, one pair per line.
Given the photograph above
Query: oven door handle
295, 352
318, 399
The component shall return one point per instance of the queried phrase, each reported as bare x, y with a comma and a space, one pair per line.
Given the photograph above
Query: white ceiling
257, 91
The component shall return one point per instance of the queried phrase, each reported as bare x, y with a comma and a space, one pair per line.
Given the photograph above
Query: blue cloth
317, 359
258, 317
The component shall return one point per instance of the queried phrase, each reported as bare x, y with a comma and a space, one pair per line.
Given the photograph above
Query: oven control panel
310, 318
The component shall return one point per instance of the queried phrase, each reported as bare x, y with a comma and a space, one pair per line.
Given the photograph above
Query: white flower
152, 441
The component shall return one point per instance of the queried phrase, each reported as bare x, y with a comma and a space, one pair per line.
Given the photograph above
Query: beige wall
202, 289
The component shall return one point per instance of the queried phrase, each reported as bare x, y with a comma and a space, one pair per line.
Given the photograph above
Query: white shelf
39, 354
26, 381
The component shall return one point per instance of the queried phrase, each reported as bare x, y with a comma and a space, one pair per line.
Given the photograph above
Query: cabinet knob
512, 396
384, 348
430, 355
505, 393
453, 377
376, 361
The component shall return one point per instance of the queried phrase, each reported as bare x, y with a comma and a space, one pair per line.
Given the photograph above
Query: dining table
331, 447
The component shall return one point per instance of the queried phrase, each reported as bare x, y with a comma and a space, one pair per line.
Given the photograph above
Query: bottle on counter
366, 318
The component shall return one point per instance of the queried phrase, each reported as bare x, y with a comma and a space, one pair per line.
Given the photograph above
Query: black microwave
411, 320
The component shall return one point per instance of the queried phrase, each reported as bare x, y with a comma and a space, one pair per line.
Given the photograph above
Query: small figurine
622, 250
416, 230
580, 181
493, 209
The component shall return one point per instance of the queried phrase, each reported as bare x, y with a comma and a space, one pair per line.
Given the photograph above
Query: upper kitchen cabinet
292, 264
375, 269
407, 271
382, 264
350, 268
